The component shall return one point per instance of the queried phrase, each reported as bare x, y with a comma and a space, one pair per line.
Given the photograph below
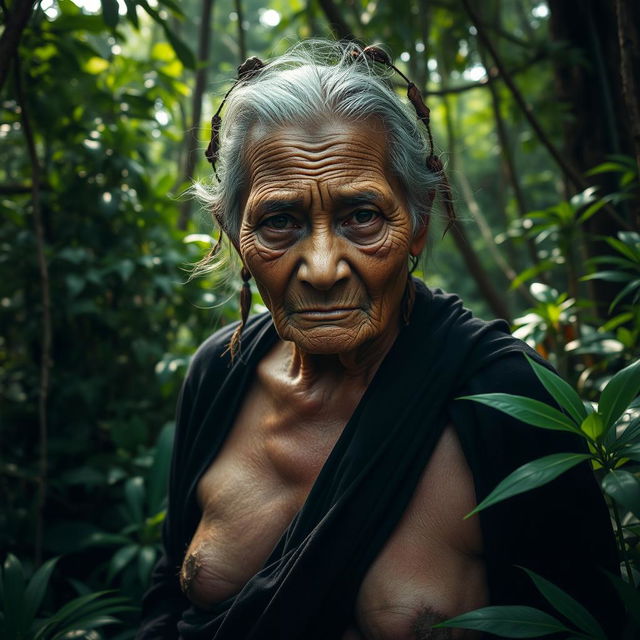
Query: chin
326, 340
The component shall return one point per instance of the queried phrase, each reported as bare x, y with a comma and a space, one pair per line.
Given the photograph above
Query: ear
419, 237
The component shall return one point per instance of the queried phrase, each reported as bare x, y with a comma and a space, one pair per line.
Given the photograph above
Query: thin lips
326, 309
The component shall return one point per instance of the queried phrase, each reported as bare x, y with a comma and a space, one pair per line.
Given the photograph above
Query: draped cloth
308, 586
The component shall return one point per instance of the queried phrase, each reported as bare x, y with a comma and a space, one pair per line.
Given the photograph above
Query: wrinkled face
326, 235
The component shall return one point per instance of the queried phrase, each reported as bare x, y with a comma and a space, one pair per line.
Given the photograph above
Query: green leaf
120, 559
566, 605
527, 410
593, 425
183, 52
560, 391
610, 276
507, 622
95, 65
146, 560
632, 452
530, 476
13, 588
110, 13
634, 284
624, 488
619, 392
132, 14
134, 494
626, 248
35, 591
158, 477
531, 272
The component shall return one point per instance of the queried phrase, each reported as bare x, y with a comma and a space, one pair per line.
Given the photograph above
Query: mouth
329, 313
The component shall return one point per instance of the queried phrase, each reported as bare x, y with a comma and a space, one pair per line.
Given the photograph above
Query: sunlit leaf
619, 392
507, 622
530, 476
593, 425
560, 391
96, 65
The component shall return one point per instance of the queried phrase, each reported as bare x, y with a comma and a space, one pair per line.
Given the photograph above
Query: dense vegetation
104, 111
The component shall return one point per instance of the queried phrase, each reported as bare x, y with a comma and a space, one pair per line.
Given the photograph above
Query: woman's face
326, 235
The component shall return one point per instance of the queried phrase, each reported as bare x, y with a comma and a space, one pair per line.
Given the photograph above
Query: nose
322, 265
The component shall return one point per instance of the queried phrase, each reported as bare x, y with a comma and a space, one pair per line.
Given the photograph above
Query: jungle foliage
104, 111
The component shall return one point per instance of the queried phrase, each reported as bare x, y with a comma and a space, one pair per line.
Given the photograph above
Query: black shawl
308, 586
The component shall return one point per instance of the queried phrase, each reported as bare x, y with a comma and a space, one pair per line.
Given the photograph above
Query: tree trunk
193, 147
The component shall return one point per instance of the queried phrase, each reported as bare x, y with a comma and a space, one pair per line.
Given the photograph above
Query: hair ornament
433, 162
247, 70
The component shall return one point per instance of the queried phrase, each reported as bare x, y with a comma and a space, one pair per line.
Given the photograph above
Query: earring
413, 263
245, 309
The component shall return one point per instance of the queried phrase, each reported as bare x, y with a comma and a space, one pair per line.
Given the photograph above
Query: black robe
308, 586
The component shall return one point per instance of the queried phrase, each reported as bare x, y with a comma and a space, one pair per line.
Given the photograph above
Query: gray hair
315, 81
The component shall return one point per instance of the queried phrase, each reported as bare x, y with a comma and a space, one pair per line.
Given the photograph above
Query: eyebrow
278, 205
284, 205
353, 200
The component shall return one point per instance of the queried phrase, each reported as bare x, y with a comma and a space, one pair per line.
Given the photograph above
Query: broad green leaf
560, 391
35, 591
567, 606
619, 392
120, 559
110, 13
13, 588
624, 488
158, 476
507, 622
628, 249
146, 560
134, 494
95, 65
530, 476
593, 425
528, 410
531, 272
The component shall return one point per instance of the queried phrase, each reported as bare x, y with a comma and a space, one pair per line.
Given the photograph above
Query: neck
356, 367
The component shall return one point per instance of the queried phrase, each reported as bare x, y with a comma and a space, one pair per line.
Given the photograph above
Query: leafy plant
21, 602
612, 433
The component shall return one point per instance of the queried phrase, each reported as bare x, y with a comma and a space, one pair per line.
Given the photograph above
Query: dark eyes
280, 222
361, 217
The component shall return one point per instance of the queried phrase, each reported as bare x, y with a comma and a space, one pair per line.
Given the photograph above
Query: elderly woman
322, 468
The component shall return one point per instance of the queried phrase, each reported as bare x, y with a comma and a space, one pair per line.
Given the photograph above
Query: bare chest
430, 565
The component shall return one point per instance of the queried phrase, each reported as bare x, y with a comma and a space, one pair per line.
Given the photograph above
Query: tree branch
16, 21
337, 23
578, 181
242, 47
193, 144
45, 355
629, 57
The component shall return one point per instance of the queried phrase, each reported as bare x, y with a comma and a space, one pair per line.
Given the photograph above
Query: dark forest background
104, 112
